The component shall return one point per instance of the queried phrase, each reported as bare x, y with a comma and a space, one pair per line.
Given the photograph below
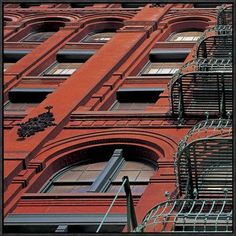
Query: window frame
149, 63
105, 179
24, 39
53, 65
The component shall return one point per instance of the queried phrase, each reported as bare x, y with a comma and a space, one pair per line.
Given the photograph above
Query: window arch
41, 32
185, 36
103, 176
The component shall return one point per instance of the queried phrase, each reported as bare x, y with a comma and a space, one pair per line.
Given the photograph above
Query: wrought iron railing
194, 93
215, 42
203, 160
189, 215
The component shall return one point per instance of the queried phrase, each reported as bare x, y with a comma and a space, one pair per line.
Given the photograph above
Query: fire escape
203, 160
205, 84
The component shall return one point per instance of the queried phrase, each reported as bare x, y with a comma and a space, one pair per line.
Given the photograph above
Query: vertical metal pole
223, 105
190, 178
131, 216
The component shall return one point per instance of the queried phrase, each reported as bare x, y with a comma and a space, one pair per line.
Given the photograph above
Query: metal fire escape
203, 160
205, 84
203, 166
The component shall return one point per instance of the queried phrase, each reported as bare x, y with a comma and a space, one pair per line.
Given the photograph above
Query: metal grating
203, 161
189, 215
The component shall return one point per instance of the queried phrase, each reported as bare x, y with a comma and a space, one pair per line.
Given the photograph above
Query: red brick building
96, 92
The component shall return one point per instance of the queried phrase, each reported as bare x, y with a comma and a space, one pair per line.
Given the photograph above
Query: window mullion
104, 178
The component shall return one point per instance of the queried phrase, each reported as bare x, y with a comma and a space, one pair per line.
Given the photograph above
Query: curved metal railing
204, 159
189, 215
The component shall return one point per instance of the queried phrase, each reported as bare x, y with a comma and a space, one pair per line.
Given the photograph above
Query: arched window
40, 32
101, 37
185, 36
104, 176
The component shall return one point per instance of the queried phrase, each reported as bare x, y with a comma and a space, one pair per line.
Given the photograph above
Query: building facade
96, 93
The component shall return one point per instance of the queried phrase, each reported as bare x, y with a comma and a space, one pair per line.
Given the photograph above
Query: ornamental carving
36, 124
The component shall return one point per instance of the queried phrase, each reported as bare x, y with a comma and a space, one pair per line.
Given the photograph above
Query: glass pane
96, 166
63, 68
145, 175
132, 174
61, 189
99, 37
38, 37
80, 189
132, 106
19, 107
135, 165
89, 175
70, 175
138, 188
115, 188
69, 189
186, 36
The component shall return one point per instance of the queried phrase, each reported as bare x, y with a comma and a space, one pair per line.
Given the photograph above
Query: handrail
131, 216
219, 126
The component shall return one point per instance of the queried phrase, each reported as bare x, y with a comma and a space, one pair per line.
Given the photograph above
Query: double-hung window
22, 100
68, 61
135, 99
165, 61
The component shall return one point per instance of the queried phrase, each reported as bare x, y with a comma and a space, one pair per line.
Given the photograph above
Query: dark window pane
38, 37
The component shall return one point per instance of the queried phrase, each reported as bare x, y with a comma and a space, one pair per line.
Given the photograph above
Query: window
68, 61
19, 107
102, 176
154, 68
135, 99
25, 99
38, 36
98, 37
63, 68
10, 57
188, 36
